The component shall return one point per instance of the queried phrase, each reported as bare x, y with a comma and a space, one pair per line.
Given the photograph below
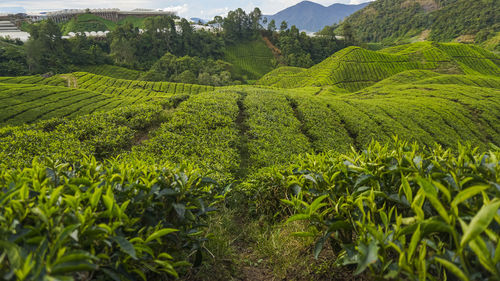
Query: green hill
445, 20
135, 21
381, 164
112, 71
250, 60
87, 22
355, 68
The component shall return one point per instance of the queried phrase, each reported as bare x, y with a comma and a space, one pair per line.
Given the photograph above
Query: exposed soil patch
274, 49
72, 81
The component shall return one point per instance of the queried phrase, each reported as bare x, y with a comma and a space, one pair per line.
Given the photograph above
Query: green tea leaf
368, 254
126, 246
483, 254
298, 217
413, 244
180, 209
319, 245
13, 253
468, 193
73, 266
160, 233
452, 268
406, 189
431, 195
480, 221
316, 204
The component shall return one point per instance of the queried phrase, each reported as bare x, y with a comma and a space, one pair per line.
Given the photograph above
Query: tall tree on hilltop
124, 44
283, 26
255, 18
44, 49
348, 34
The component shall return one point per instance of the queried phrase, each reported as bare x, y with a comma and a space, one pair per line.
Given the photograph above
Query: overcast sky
205, 9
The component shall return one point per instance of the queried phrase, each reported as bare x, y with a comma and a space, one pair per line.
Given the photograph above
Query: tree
283, 26
45, 49
124, 44
12, 60
240, 26
271, 27
255, 18
348, 33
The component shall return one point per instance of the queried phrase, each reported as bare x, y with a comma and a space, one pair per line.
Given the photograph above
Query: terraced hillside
87, 23
27, 103
235, 130
124, 87
250, 60
112, 71
355, 68
144, 180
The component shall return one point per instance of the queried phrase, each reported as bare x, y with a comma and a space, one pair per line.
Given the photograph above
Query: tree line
128, 46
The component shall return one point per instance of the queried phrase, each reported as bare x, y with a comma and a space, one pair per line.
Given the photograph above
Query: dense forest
438, 20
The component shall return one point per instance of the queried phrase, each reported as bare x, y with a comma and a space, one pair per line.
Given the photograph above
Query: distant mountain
310, 16
405, 21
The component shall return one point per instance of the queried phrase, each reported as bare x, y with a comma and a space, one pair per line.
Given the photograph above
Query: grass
135, 21
250, 60
87, 22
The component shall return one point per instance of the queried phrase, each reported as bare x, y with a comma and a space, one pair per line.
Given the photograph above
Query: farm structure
110, 14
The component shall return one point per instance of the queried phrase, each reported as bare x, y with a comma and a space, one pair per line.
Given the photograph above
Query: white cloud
206, 9
180, 10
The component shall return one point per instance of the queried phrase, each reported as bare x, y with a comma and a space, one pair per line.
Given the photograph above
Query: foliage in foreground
109, 220
396, 213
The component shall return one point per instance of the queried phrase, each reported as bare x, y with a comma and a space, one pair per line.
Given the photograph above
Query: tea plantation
368, 166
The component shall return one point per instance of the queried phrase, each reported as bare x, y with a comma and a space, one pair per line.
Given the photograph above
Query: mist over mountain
310, 16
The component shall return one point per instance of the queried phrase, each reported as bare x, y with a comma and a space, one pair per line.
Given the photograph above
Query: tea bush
102, 220
396, 211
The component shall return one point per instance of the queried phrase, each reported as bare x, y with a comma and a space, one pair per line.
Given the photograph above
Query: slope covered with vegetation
112, 71
87, 23
250, 60
355, 68
395, 20
253, 182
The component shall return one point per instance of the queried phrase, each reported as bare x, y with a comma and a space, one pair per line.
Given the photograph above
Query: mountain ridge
311, 16
406, 21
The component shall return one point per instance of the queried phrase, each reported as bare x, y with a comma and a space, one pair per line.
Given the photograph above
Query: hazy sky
195, 8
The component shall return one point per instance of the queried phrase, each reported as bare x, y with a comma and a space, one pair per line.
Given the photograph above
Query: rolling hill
127, 179
250, 60
412, 20
355, 68
312, 17
316, 105
89, 22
